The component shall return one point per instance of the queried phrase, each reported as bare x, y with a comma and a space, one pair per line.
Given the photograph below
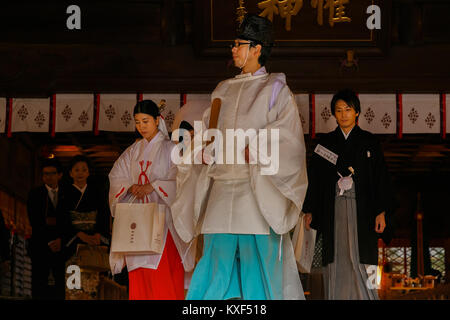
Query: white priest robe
153, 159
237, 198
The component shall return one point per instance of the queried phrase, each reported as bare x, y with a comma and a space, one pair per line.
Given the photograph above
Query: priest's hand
380, 223
308, 219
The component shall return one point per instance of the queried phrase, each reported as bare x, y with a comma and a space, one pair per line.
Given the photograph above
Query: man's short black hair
349, 97
51, 162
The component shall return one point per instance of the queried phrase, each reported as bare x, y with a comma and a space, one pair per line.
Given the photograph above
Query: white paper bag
304, 242
138, 228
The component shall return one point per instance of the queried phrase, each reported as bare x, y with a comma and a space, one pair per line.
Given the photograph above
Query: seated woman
86, 210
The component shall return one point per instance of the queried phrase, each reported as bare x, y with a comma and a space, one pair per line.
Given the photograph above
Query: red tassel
9, 106
183, 99
444, 115
313, 115
139, 97
400, 116
53, 115
97, 112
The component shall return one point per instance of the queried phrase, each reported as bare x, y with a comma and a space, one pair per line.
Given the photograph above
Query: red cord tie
143, 176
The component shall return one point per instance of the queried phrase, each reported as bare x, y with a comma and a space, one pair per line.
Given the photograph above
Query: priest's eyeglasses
238, 44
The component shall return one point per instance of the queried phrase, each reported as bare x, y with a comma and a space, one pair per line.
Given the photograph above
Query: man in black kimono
44, 212
5, 254
348, 199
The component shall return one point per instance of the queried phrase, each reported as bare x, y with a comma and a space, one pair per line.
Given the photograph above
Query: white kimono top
237, 198
147, 162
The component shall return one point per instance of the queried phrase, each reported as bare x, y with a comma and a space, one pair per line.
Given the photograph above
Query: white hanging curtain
447, 112
30, 115
302, 101
116, 112
324, 120
421, 113
74, 112
378, 113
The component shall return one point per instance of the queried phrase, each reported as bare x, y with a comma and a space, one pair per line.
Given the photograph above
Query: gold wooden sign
302, 27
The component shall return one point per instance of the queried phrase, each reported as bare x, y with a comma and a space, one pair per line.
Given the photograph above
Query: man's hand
380, 223
308, 219
55, 245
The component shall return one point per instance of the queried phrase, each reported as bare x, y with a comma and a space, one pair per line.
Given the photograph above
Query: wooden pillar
447, 260
405, 262
419, 219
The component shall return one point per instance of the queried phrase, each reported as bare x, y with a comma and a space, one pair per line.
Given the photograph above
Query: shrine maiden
145, 171
246, 216
348, 200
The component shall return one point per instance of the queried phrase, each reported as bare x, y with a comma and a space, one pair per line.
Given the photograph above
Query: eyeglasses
238, 44
49, 173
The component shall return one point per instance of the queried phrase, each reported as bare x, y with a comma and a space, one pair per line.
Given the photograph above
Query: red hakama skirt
164, 283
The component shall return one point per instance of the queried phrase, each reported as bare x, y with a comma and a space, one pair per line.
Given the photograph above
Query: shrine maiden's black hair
53, 162
258, 30
79, 158
147, 107
350, 98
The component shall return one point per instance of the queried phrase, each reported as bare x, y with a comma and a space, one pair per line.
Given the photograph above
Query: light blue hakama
238, 266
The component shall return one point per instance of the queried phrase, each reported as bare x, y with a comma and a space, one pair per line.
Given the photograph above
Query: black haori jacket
363, 153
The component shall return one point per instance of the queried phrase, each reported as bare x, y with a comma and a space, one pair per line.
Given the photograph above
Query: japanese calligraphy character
241, 12
270, 8
336, 11
285, 8
289, 8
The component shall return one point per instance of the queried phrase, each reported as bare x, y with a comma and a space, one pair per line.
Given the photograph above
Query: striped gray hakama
346, 278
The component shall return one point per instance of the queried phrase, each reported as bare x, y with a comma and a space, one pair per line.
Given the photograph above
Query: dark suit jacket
363, 153
4, 240
41, 211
